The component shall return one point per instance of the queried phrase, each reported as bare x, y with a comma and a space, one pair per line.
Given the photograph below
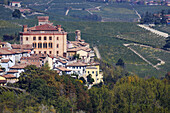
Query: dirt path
97, 52
67, 12
153, 30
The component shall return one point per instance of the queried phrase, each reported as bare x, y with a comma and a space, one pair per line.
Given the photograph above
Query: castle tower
43, 20
78, 35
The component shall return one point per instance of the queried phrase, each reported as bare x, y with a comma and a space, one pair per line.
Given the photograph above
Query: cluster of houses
46, 43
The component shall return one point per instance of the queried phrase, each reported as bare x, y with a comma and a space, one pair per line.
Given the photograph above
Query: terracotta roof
15, 2
76, 64
81, 43
93, 63
9, 76
45, 27
19, 66
3, 43
91, 67
23, 46
1, 70
5, 60
79, 48
12, 71
5, 51
62, 69
64, 62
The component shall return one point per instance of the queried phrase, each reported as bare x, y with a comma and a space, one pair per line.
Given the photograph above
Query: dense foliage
159, 18
48, 92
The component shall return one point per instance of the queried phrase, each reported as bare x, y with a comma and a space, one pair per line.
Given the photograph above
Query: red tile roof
9, 76
23, 46
5, 60
1, 70
63, 69
80, 48
19, 66
64, 62
45, 27
12, 71
5, 51
76, 64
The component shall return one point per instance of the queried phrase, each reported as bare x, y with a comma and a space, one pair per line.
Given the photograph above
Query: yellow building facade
94, 70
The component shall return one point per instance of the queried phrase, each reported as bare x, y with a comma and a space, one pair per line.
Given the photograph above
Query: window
45, 38
50, 45
73, 67
92, 72
50, 52
34, 38
50, 38
34, 52
57, 38
39, 38
34, 45
88, 72
57, 45
39, 52
44, 45
45, 52
57, 52
39, 45
26, 38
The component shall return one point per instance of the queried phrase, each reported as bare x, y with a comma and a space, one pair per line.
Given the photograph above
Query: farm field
165, 29
151, 9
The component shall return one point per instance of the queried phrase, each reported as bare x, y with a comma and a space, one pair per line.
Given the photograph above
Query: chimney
25, 28
59, 28
78, 35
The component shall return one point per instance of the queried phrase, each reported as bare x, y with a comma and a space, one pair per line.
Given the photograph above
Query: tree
16, 13
167, 45
6, 2
121, 63
82, 78
90, 80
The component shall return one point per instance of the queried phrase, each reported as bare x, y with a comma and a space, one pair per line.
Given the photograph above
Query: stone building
45, 38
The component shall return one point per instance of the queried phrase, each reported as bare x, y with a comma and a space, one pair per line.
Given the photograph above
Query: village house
15, 4
10, 78
3, 81
19, 67
7, 58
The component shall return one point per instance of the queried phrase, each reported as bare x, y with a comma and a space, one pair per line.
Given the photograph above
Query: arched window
34, 45
44, 45
26, 38
57, 45
57, 38
39, 45
50, 45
